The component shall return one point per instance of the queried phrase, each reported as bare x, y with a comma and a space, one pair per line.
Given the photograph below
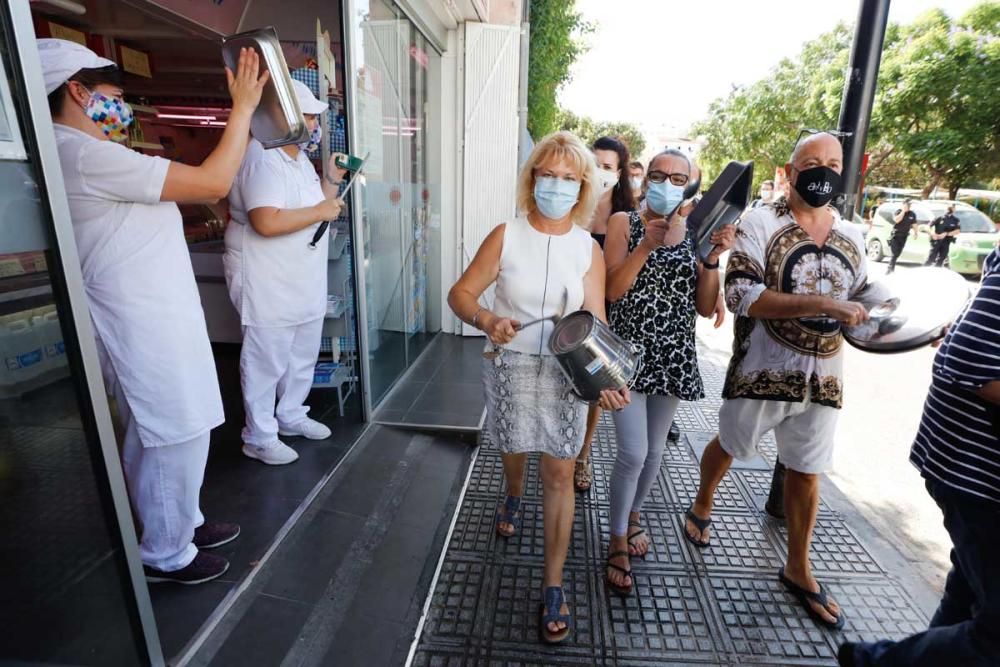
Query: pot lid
922, 304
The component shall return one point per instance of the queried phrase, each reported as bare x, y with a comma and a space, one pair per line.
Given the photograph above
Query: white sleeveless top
535, 269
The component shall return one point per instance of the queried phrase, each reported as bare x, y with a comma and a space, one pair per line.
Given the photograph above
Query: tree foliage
555, 44
938, 96
936, 117
589, 130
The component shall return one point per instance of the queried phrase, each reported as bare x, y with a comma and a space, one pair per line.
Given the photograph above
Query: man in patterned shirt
796, 274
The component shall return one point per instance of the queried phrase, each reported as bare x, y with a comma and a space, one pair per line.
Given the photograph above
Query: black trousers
939, 252
896, 249
966, 628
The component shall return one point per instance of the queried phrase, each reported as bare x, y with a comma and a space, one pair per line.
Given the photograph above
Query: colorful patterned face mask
112, 115
314, 137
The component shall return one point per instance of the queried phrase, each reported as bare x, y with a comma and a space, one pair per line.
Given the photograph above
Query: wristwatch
706, 265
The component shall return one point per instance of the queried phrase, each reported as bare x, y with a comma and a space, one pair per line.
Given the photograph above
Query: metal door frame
79, 324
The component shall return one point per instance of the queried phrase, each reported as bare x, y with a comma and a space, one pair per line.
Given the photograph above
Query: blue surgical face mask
663, 198
556, 197
314, 138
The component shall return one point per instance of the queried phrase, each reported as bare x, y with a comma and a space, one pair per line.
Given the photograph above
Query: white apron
143, 299
275, 281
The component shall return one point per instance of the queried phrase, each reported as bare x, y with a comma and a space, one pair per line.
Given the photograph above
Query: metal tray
278, 120
723, 204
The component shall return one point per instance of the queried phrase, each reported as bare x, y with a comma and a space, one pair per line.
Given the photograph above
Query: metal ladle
554, 317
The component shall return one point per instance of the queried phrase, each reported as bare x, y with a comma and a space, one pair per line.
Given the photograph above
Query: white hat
307, 101
61, 59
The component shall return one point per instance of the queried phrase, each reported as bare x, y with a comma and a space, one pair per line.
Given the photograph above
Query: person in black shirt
903, 221
944, 229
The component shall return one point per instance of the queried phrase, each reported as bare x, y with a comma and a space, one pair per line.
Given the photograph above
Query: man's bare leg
715, 463
801, 507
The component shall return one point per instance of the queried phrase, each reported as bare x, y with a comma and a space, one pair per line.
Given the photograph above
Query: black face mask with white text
818, 186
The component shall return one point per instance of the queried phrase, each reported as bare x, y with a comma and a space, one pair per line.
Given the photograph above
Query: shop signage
136, 62
69, 34
325, 61
11, 145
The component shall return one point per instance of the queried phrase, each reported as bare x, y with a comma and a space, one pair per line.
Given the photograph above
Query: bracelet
475, 318
706, 265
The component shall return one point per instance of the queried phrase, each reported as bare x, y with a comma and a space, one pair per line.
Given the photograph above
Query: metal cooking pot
593, 357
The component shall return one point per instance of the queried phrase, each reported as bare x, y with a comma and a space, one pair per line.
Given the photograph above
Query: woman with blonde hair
539, 260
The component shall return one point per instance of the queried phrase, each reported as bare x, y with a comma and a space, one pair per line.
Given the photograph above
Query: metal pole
855, 113
859, 94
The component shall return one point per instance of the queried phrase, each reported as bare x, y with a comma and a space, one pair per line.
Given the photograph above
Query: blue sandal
554, 600
509, 513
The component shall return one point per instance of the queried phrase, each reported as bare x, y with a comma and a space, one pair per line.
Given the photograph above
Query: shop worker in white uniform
278, 284
143, 301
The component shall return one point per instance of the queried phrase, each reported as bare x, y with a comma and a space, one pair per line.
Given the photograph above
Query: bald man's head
818, 154
821, 146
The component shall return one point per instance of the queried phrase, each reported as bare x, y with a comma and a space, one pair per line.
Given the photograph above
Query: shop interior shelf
336, 308
337, 244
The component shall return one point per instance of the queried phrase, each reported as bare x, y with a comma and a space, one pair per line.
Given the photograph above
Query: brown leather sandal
583, 475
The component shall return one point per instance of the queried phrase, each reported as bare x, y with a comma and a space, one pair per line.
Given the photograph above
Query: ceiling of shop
186, 61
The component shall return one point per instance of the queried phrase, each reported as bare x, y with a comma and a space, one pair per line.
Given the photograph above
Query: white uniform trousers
164, 484
277, 363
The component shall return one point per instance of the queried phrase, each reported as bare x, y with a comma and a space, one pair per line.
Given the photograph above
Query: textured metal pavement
718, 606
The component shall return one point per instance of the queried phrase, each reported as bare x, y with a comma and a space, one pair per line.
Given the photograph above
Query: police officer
903, 222
944, 230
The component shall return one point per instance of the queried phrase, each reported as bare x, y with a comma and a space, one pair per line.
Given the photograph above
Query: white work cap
307, 101
61, 59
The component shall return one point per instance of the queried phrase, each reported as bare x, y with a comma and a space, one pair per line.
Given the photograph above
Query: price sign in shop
11, 145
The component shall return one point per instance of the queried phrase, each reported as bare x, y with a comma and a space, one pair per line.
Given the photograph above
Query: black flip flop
804, 597
632, 536
621, 590
700, 524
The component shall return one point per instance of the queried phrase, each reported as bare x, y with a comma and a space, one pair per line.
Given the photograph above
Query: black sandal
632, 536
804, 597
509, 513
621, 590
700, 524
554, 600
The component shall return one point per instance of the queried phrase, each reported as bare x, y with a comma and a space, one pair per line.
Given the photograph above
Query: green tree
761, 121
936, 116
589, 130
555, 44
938, 102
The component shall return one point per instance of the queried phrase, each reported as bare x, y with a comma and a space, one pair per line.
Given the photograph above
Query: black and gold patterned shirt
788, 360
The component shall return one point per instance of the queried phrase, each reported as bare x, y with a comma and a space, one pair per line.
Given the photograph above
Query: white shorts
804, 431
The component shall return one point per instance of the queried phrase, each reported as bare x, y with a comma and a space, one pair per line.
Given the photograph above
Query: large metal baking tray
278, 120
723, 204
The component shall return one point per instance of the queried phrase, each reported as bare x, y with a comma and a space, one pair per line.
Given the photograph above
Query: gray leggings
642, 434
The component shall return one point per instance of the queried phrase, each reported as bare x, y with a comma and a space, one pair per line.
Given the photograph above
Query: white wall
444, 164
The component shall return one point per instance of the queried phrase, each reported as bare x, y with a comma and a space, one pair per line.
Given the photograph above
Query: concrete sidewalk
720, 606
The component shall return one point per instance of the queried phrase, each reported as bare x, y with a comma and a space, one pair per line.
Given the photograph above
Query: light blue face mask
663, 198
555, 197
